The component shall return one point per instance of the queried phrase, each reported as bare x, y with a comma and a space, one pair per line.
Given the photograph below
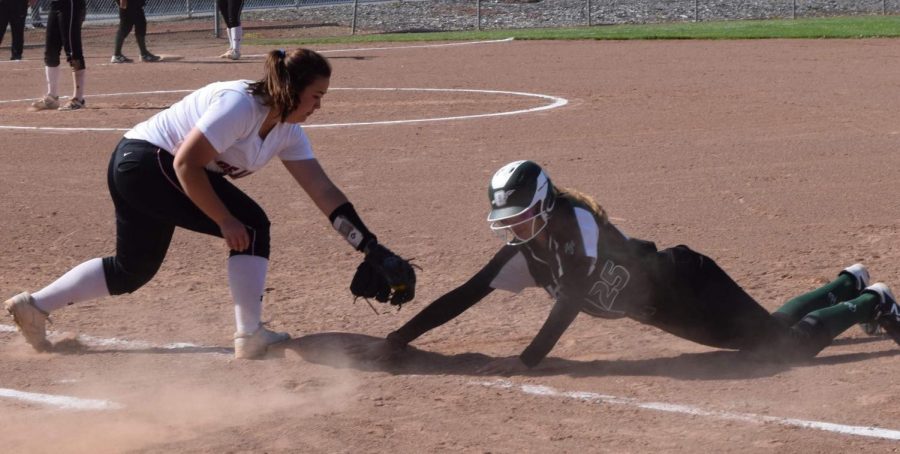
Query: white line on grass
61, 402
554, 102
540, 390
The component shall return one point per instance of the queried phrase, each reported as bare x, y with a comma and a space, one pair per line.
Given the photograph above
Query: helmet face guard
522, 197
521, 228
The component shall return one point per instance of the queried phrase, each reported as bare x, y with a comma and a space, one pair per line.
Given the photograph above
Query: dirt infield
777, 158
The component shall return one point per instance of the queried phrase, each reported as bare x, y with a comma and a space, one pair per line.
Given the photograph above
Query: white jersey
230, 118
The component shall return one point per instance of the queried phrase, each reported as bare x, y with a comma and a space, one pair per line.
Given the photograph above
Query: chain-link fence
450, 15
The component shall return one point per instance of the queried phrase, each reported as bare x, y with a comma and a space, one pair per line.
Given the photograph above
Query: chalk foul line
540, 390
76, 403
123, 344
61, 402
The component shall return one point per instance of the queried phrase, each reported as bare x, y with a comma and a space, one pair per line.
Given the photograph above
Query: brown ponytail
576, 195
286, 75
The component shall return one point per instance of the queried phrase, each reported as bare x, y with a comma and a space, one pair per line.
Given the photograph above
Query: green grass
831, 27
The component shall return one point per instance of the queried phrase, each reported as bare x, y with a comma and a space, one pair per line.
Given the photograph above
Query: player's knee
784, 320
51, 61
77, 64
124, 277
810, 336
260, 239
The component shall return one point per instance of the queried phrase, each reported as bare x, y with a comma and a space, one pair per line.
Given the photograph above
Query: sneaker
73, 104
120, 59
231, 54
46, 103
860, 273
887, 312
254, 346
30, 321
150, 58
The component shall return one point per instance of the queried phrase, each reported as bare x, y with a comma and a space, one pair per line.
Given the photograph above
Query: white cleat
860, 273
30, 321
255, 345
231, 54
887, 312
48, 102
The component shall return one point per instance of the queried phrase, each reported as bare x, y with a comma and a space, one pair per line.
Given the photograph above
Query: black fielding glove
369, 283
385, 276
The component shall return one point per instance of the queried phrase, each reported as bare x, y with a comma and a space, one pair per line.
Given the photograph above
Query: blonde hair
586, 200
285, 77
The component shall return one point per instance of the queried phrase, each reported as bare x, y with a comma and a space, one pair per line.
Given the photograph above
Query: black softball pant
64, 33
12, 13
698, 301
231, 11
150, 203
132, 16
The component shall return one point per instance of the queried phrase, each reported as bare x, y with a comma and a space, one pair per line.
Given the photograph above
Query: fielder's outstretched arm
315, 182
331, 201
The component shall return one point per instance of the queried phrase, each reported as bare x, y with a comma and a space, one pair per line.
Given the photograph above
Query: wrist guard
345, 220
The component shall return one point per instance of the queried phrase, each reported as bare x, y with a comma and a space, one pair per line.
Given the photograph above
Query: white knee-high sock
52, 73
78, 82
247, 279
84, 282
230, 33
237, 35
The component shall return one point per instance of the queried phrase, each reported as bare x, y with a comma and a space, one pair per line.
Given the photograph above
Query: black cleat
150, 58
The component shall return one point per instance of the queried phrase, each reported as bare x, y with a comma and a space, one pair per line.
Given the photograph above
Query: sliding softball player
562, 241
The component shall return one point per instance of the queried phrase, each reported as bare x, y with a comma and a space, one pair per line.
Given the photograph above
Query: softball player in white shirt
170, 171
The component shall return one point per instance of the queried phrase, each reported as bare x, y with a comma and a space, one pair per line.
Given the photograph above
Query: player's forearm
329, 199
190, 167
196, 185
310, 175
561, 316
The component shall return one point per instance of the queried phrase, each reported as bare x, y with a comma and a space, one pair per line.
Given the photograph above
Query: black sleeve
454, 302
561, 316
